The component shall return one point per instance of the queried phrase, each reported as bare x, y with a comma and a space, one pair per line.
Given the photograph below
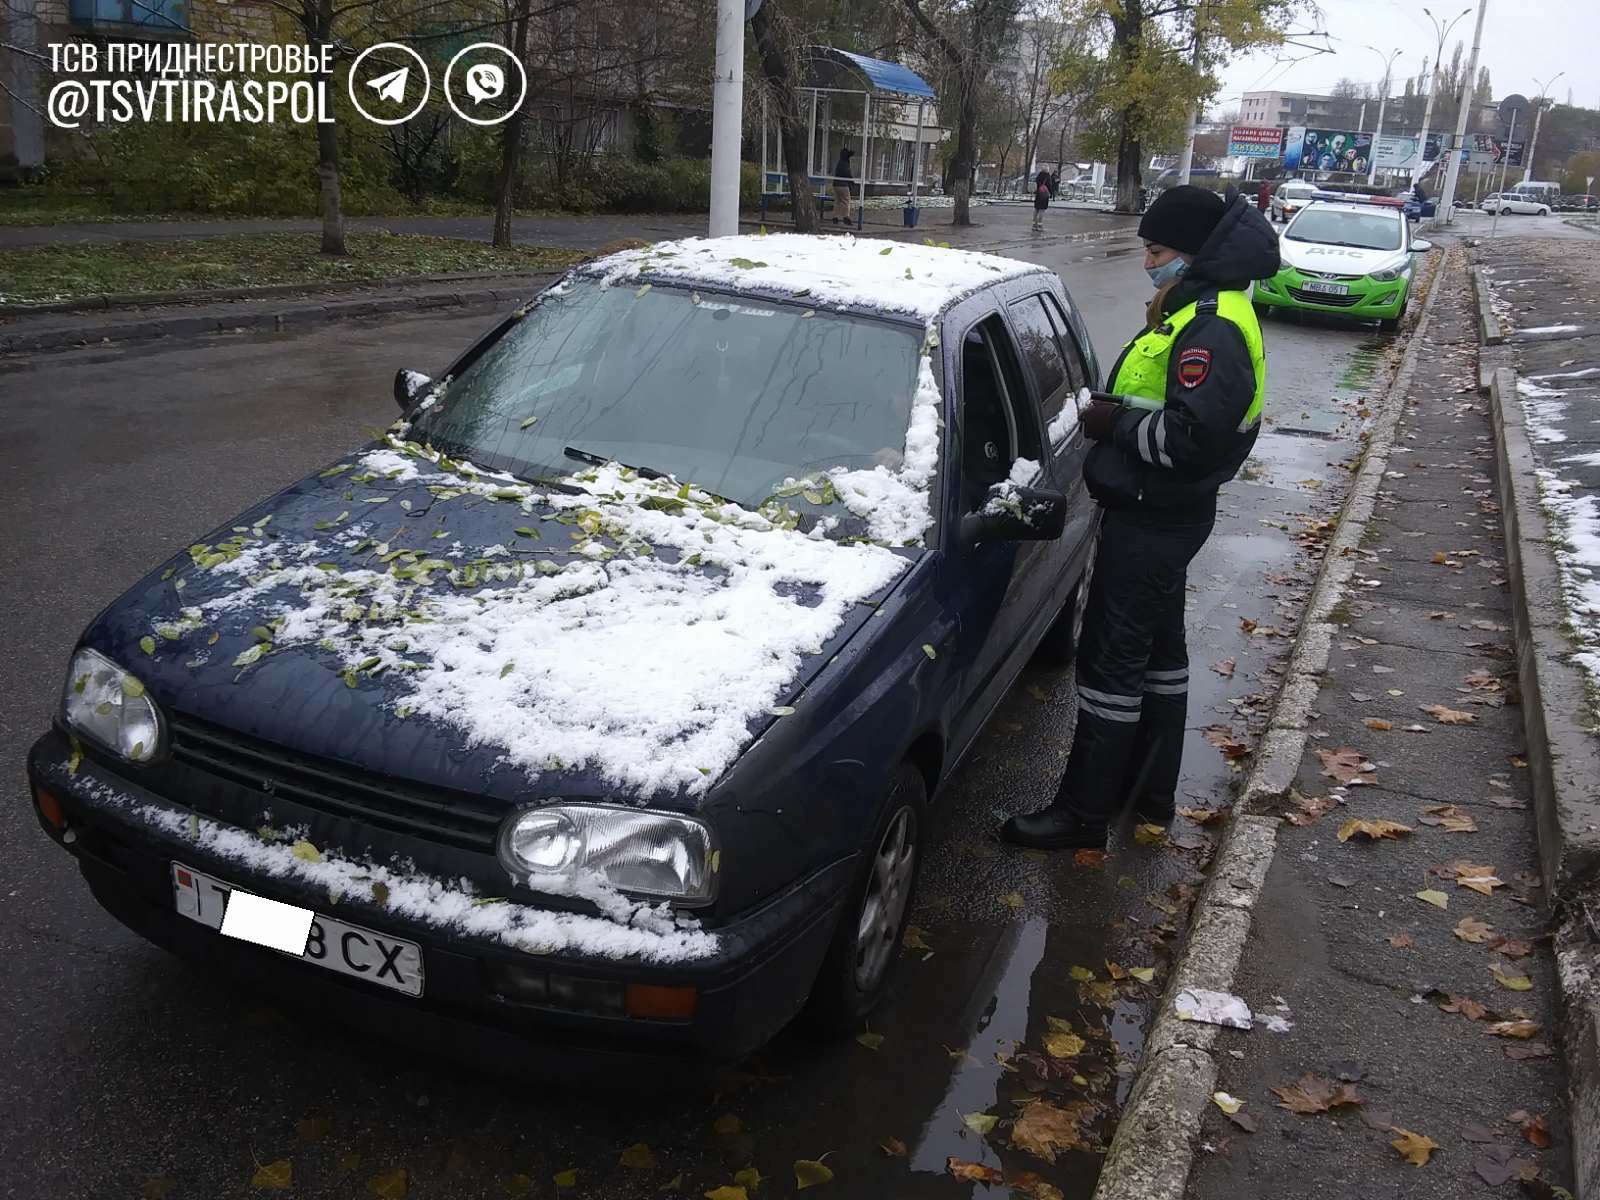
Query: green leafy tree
1148, 63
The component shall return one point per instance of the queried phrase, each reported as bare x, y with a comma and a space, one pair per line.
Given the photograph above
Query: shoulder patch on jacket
1194, 364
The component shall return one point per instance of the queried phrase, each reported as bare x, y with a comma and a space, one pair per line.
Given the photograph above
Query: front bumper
1368, 299
755, 982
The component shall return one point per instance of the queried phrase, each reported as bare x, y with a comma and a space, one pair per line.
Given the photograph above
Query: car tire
1390, 324
1544, 212
1059, 645
1263, 311
860, 962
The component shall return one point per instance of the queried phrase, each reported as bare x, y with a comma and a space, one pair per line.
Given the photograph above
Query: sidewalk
1396, 961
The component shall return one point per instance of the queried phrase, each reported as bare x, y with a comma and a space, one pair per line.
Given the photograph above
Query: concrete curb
1489, 331
265, 320
1564, 762
1153, 1150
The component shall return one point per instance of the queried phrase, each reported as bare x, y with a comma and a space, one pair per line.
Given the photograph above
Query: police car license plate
1327, 289
333, 945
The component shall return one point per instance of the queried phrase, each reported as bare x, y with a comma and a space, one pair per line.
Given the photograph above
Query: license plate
1327, 289
333, 945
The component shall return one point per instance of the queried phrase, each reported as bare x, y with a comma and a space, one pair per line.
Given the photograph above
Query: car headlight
1392, 273
108, 705
634, 850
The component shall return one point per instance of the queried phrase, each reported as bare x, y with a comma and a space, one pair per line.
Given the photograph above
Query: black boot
1054, 828
1158, 810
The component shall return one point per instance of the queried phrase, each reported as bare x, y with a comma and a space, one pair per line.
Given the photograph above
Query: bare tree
775, 45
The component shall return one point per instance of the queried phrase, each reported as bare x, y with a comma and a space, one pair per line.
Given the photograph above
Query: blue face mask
1166, 272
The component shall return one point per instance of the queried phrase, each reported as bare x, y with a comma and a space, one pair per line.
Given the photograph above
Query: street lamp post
1445, 212
1383, 101
1443, 32
1538, 111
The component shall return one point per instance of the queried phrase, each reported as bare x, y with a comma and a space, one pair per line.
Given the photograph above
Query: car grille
1306, 297
1329, 275
435, 814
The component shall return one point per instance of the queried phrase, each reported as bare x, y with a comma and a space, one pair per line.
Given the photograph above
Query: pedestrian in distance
843, 197
1190, 390
1041, 199
1264, 197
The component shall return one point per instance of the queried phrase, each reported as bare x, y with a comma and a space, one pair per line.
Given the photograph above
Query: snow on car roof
901, 277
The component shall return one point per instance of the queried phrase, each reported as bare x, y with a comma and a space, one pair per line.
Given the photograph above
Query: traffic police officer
1192, 385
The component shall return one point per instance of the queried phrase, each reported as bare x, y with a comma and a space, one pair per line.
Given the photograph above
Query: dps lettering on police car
332, 944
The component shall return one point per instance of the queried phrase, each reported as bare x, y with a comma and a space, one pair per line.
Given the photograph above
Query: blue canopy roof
883, 76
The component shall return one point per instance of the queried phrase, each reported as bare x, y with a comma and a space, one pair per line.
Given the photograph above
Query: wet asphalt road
127, 1073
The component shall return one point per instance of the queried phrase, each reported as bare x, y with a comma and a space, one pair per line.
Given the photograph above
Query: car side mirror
1421, 245
1016, 514
409, 387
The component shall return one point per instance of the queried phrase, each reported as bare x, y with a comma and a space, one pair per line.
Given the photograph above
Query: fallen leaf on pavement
1080, 974
1314, 1094
1529, 1050
1448, 716
1244, 1121
1536, 1132
1449, 818
1480, 877
1493, 1168
1143, 974
1414, 1147
915, 938
1204, 816
1088, 858
1515, 983
973, 1172
1032, 1185
810, 1172
1520, 1028
1347, 764
870, 1040
1221, 736
1401, 941
1510, 947
727, 1192
389, 1185
274, 1177
1246, 625
1378, 724
638, 1156
979, 1122
1228, 1104
1434, 897
893, 1147
1371, 829
1224, 668
1149, 834
1470, 929
1063, 1045
1307, 808
1046, 1130
1464, 1005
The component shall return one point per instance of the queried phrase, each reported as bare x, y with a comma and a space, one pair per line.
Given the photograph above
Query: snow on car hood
648, 645
1337, 260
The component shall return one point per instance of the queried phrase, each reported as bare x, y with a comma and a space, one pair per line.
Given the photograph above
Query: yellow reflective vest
1143, 369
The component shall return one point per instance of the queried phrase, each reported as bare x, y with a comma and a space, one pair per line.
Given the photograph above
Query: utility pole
1443, 32
1383, 101
1538, 111
727, 118
1445, 212
1186, 160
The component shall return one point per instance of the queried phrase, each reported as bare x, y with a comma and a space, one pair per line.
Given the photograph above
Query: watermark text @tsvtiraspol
201, 83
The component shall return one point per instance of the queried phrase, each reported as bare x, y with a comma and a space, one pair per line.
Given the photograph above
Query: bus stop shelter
845, 87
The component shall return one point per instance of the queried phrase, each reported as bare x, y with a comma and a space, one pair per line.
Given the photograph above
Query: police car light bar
1358, 198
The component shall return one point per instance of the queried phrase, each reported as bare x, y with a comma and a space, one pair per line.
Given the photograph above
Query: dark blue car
599, 705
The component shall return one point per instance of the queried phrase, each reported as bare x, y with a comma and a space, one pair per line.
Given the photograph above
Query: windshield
1332, 227
734, 395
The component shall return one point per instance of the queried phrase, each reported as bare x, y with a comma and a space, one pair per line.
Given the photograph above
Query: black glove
1099, 419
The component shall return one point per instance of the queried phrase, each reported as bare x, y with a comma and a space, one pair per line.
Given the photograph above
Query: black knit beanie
1182, 218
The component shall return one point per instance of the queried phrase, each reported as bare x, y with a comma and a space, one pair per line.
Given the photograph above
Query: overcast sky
1522, 40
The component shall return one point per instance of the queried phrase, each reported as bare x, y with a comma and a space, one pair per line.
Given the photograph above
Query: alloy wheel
884, 905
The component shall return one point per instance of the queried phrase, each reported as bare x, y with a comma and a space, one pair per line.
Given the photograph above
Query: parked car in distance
1350, 257
1289, 198
1521, 203
1578, 203
599, 706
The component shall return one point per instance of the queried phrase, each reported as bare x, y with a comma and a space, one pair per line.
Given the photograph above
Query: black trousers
1133, 663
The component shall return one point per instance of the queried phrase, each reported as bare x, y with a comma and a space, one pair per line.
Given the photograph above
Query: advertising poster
1406, 152
1327, 150
1254, 141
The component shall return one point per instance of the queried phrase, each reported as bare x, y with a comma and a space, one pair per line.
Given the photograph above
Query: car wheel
1390, 324
860, 962
1059, 646
1544, 212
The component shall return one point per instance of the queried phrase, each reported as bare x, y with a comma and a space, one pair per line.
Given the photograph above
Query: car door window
997, 427
1077, 365
1041, 354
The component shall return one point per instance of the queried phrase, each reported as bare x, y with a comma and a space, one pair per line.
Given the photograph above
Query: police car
1347, 255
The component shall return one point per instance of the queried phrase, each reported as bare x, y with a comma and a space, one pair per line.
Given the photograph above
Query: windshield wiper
599, 460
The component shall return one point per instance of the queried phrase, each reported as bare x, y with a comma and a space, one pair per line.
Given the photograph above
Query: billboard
1326, 150
1406, 152
1254, 141
1483, 150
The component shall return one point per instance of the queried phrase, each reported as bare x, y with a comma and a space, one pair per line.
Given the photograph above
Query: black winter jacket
1200, 435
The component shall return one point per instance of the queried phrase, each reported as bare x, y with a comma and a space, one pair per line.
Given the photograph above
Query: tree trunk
966, 147
1127, 28
777, 66
511, 142
318, 16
